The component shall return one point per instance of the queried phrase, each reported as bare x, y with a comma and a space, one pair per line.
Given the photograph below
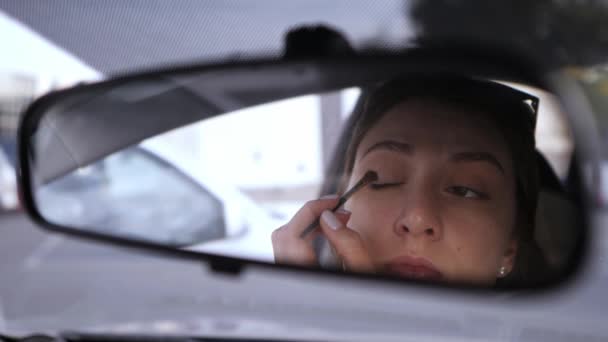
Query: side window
136, 191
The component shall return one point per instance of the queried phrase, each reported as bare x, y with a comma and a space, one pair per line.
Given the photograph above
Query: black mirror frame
488, 61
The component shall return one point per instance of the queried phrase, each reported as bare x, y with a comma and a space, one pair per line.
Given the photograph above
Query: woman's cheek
370, 217
476, 240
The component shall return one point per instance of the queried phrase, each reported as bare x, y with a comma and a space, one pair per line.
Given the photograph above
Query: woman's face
444, 206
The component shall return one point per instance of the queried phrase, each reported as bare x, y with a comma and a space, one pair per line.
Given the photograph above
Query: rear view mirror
231, 160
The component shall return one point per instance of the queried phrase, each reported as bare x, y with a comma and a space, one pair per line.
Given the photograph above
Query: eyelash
454, 190
379, 186
478, 195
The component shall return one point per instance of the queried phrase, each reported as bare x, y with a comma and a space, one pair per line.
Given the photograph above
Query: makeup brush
370, 176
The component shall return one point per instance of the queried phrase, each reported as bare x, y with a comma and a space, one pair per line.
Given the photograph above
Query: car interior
559, 217
121, 104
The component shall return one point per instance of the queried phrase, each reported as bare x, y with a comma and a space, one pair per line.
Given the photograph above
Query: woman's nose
420, 217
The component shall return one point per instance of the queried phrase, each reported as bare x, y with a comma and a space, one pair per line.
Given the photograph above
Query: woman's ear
508, 259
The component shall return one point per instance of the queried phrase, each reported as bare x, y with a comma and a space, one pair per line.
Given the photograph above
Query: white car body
248, 226
9, 199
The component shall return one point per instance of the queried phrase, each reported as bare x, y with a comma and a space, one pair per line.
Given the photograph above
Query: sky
25, 52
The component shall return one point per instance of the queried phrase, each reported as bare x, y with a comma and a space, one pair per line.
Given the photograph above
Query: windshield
52, 283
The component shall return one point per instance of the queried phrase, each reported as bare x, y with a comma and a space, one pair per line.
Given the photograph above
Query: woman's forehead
424, 123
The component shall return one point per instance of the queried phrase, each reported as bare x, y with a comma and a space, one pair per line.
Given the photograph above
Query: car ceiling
120, 36
117, 36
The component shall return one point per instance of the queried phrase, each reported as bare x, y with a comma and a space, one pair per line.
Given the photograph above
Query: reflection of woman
457, 188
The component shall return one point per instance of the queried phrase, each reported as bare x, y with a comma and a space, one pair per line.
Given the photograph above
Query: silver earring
502, 271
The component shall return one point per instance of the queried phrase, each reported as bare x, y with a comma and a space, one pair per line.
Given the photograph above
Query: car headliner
116, 36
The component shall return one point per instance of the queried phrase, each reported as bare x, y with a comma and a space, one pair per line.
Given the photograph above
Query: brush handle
369, 177
316, 222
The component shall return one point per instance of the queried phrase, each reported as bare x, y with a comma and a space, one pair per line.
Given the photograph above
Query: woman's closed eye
466, 192
384, 185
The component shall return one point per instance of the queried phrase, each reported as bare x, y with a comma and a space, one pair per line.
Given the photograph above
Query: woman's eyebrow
476, 157
391, 145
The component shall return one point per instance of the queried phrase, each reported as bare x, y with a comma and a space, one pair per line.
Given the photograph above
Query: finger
288, 247
308, 214
343, 215
346, 242
289, 250
277, 241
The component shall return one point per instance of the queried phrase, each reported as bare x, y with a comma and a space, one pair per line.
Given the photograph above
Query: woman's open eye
466, 192
379, 186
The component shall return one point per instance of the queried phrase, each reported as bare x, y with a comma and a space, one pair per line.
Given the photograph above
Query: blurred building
16, 93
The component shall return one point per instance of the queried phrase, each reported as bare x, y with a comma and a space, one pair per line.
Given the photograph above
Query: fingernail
330, 219
332, 196
343, 211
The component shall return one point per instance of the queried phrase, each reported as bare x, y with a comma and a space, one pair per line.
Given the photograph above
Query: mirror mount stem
226, 266
316, 42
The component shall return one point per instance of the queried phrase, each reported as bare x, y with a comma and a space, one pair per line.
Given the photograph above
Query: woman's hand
289, 248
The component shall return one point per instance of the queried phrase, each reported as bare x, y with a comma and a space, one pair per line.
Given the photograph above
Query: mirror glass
471, 182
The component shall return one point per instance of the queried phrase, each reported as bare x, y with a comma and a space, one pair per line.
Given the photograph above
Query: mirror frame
489, 61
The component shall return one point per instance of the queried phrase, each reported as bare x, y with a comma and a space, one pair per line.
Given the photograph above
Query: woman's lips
414, 268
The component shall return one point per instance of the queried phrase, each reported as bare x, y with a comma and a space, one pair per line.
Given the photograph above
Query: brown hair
512, 112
